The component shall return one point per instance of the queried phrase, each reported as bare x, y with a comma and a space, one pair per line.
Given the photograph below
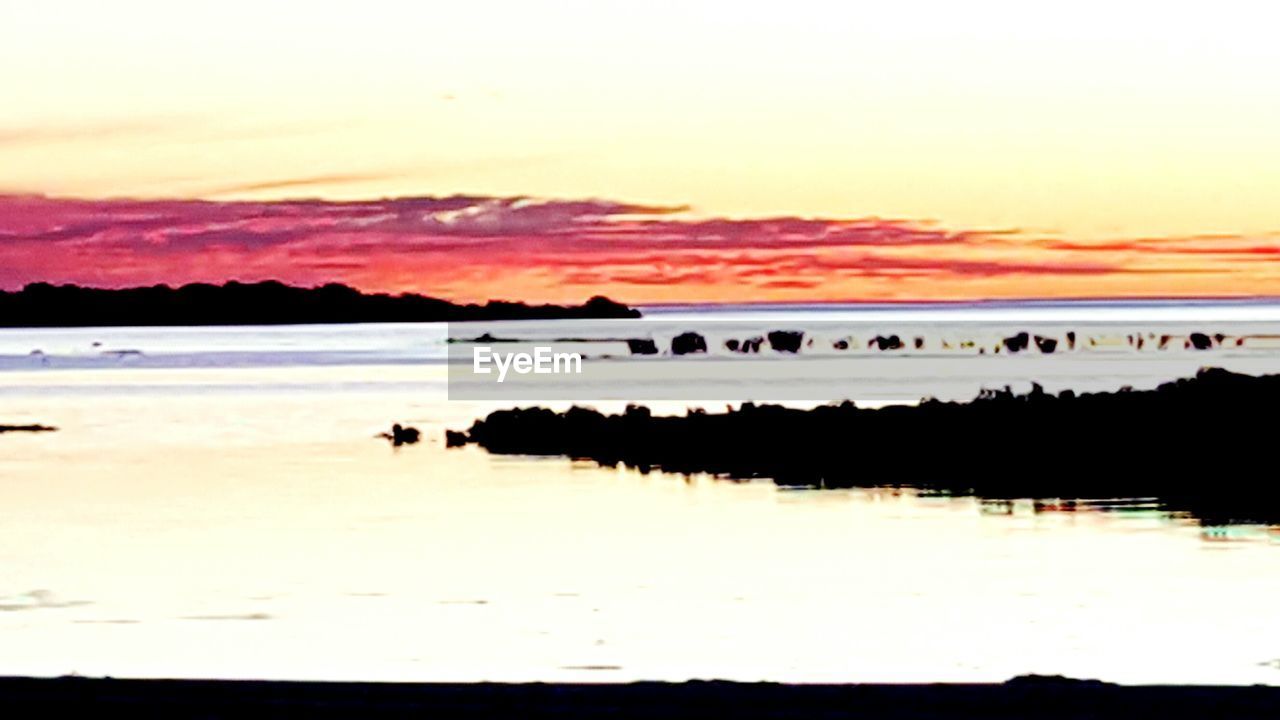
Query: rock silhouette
264, 303
892, 342
1199, 341
688, 343
1045, 344
400, 435
1017, 343
788, 341
1176, 443
642, 346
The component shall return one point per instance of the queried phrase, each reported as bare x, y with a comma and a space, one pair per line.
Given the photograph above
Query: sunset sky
651, 151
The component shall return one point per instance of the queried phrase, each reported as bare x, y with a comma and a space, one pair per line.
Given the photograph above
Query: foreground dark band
1018, 698
1200, 445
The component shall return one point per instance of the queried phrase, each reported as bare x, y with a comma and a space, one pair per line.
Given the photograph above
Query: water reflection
1134, 513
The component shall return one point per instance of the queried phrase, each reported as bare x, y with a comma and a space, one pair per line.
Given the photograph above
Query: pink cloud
468, 245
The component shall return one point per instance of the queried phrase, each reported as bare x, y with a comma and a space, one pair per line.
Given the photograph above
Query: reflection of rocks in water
1167, 443
26, 428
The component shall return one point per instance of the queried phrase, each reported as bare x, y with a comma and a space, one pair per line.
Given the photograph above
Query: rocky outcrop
1179, 442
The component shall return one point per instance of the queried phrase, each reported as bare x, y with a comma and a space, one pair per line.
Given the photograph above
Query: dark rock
1018, 342
892, 342
787, 341
400, 435
1046, 345
453, 438
1199, 341
642, 346
688, 343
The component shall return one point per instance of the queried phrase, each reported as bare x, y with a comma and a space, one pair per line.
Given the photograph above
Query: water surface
215, 519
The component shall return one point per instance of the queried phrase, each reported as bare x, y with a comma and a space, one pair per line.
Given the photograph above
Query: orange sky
813, 150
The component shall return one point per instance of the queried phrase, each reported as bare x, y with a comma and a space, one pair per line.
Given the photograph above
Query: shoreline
264, 303
1021, 697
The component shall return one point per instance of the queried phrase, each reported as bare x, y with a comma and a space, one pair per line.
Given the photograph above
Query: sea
217, 503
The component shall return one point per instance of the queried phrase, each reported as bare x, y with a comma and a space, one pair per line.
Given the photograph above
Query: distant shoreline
1021, 697
264, 303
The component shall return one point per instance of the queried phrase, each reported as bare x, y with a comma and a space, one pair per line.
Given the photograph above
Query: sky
658, 151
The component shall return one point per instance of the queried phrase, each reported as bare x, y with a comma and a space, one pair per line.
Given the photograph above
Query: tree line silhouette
263, 303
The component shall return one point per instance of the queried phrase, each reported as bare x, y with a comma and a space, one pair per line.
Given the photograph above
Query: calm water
218, 507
